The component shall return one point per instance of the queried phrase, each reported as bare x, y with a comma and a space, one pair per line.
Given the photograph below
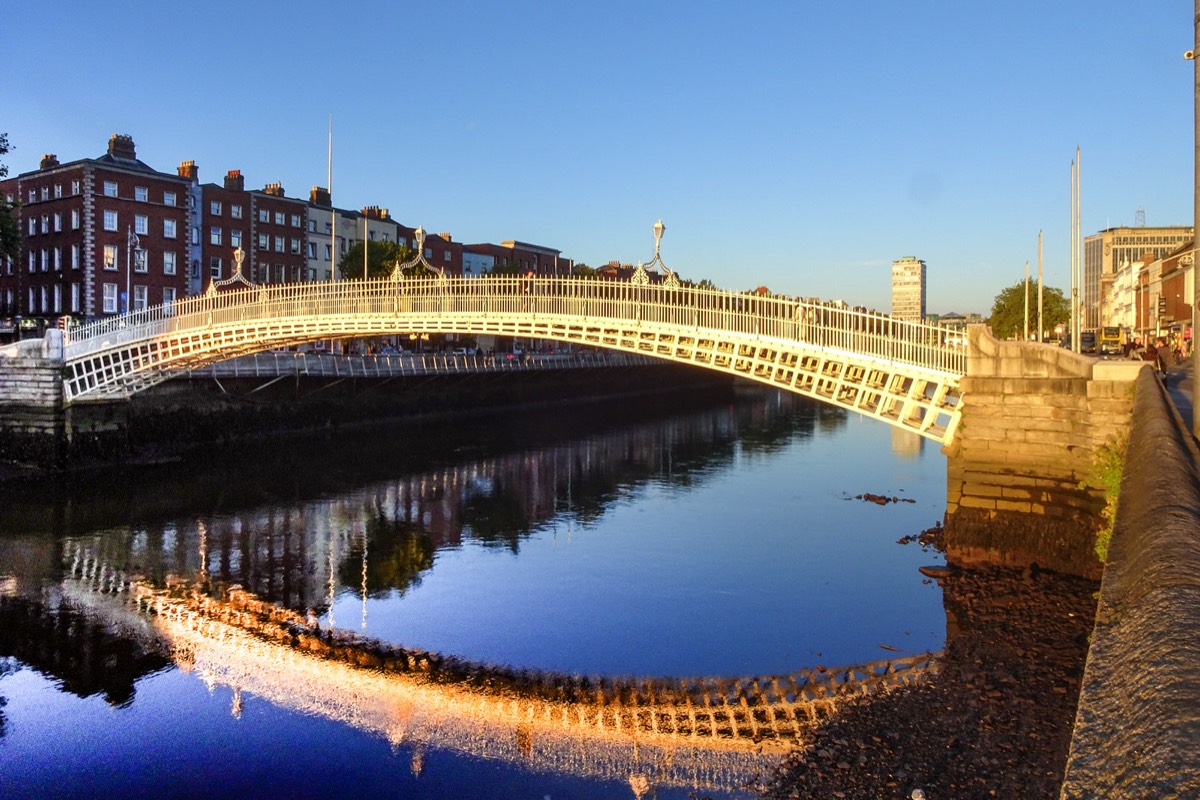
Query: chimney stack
273, 189
189, 171
234, 181
319, 196
120, 145
49, 160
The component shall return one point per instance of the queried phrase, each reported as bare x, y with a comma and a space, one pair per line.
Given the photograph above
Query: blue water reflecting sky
725, 541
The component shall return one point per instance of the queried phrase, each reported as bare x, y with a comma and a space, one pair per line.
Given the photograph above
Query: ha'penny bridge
700, 732
906, 374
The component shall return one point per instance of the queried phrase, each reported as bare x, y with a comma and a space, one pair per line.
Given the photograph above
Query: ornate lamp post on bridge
133, 255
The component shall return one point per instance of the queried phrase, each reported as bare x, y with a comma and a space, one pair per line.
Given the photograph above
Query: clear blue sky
800, 145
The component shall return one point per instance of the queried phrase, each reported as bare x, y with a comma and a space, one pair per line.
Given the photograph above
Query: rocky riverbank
995, 721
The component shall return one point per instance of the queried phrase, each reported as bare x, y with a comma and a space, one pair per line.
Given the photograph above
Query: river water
582, 546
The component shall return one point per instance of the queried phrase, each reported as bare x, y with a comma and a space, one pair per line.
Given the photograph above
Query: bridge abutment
1022, 474
32, 417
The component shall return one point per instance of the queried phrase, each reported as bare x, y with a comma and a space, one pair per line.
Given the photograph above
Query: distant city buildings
1108, 253
908, 289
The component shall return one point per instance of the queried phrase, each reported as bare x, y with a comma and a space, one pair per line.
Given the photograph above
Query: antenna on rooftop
1139, 218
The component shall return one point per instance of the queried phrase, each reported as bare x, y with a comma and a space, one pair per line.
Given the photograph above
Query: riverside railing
357, 307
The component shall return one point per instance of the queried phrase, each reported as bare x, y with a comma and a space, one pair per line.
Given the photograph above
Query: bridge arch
906, 374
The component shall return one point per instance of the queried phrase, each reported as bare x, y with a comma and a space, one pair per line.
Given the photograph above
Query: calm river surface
718, 539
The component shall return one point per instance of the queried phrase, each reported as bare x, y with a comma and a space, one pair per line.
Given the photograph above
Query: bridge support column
1034, 417
32, 429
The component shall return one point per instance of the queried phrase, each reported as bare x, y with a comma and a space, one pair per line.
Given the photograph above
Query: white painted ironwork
904, 373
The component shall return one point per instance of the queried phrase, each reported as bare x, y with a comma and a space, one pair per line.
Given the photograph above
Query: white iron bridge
904, 373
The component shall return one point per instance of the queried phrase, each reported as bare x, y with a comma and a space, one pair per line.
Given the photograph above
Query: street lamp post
132, 245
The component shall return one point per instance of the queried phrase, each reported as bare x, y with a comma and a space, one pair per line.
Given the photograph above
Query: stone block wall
31, 403
1033, 419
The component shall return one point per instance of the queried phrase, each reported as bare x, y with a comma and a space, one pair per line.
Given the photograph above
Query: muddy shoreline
995, 721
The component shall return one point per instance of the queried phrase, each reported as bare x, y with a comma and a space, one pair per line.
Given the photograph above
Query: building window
235, 211
295, 220
296, 246
75, 218
32, 226
45, 223
263, 215
110, 220
278, 244
235, 238
141, 224
58, 259
110, 188
57, 221
214, 235
45, 196
57, 190
141, 261
264, 242
169, 228
58, 298
312, 226
32, 261
141, 194
446, 255
328, 252
110, 257
168, 298
31, 308
278, 217
45, 260
169, 262
110, 298
312, 249
74, 298
141, 296
214, 267
195, 234
74, 256
32, 199
45, 303
75, 187
168, 198
214, 208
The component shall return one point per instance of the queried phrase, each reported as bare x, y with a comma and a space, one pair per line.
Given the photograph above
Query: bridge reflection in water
716, 733
244, 599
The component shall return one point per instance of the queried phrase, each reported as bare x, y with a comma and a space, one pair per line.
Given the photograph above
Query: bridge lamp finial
659, 229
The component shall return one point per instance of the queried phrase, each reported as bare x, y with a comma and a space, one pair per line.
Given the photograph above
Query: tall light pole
1192, 54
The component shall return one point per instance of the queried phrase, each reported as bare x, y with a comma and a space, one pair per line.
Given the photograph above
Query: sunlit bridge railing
906, 373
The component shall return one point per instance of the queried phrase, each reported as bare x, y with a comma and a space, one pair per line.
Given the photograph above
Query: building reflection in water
73, 611
906, 444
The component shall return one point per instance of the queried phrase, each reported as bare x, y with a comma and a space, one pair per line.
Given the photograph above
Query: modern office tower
908, 289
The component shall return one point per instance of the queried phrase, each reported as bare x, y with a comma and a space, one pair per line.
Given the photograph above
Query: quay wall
1019, 472
31, 401
184, 414
1137, 728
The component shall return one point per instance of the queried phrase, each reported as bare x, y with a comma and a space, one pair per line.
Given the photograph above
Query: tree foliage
1008, 311
382, 257
10, 231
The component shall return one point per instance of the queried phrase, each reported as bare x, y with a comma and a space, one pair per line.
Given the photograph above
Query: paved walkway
1179, 386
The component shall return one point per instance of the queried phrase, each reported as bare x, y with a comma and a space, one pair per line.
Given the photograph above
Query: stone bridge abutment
1022, 474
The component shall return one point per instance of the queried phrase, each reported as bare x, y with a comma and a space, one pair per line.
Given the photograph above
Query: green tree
1008, 311
382, 257
10, 231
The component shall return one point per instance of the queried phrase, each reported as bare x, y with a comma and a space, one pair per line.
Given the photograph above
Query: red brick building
100, 235
522, 258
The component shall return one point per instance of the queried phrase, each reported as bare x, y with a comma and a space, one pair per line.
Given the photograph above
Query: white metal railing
422, 302
274, 363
